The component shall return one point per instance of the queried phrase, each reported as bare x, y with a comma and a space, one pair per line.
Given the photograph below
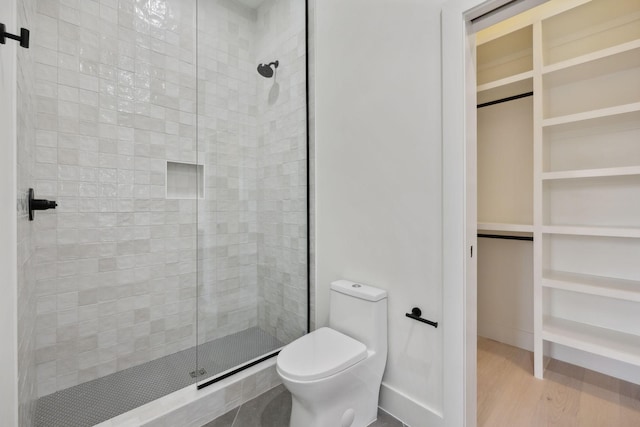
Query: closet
559, 184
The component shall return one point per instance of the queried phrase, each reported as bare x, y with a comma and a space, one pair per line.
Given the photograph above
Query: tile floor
96, 401
272, 409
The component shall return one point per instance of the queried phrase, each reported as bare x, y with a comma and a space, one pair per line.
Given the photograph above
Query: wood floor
569, 396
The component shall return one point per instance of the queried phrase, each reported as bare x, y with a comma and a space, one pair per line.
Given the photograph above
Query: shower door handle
23, 38
39, 204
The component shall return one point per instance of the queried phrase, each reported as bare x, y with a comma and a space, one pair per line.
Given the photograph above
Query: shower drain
198, 373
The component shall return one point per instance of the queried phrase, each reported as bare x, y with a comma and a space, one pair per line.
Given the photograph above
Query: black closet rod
510, 98
505, 237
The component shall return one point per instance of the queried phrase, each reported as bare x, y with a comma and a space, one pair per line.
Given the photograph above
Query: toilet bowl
334, 373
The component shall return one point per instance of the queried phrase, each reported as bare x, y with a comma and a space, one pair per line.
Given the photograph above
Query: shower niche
185, 181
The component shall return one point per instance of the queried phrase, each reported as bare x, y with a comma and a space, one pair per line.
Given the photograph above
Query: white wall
378, 176
505, 291
8, 309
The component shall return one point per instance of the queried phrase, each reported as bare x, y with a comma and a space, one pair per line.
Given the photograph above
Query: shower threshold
95, 401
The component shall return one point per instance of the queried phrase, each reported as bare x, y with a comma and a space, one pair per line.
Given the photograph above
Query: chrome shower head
265, 70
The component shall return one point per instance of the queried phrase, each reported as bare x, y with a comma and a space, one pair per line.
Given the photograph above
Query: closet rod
507, 99
505, 237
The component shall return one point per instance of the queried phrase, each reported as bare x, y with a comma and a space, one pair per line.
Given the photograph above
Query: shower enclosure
173, 136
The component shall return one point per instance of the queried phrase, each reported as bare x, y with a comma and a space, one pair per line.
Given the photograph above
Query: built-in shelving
505, 56
599, 143
604, 342
501, 227
592, 231
583, 67
594, 114
505, 88
593, 285
506, 81
505, 66
592, 173
608, 81
592, 26
631, 46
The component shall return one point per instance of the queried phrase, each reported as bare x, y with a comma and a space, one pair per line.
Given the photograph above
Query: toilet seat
320, 354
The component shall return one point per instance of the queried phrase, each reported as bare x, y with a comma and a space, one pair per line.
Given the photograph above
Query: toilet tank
359, 311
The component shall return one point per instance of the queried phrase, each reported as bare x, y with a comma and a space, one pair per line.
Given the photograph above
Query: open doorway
460, 190
548, 164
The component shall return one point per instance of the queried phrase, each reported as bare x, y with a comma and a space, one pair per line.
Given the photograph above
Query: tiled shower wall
255, 133
26, 113
227, 281
115, 265
282, 173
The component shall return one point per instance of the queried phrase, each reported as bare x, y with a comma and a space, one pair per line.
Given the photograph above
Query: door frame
8, 221
459, 208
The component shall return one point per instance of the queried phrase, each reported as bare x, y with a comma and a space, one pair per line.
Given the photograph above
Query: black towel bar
415, 315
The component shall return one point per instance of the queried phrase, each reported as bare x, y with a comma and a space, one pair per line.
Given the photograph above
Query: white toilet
334, 373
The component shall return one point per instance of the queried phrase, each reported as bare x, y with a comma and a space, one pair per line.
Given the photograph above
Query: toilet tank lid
358, 290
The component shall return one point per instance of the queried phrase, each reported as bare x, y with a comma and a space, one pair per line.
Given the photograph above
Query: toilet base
347, 399
342, 416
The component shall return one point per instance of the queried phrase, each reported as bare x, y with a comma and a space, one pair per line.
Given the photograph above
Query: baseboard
604, 365
407, 410
507, 335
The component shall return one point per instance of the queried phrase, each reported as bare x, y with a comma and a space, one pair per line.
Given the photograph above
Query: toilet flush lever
415, 315
39, 204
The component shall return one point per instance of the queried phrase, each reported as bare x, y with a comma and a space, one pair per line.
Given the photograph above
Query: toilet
334, 373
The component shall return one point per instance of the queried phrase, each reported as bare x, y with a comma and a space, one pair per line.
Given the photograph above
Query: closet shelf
594, 114
520, 21
518, 228
593, 285
593, 56
505, 81
592, 173
604, 342
583, 128
592, 231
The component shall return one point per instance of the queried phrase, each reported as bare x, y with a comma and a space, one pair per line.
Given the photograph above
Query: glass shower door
252, 144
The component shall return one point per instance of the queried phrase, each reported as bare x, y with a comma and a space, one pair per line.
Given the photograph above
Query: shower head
265, 70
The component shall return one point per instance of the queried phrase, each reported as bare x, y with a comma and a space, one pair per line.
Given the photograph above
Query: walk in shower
173, 136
